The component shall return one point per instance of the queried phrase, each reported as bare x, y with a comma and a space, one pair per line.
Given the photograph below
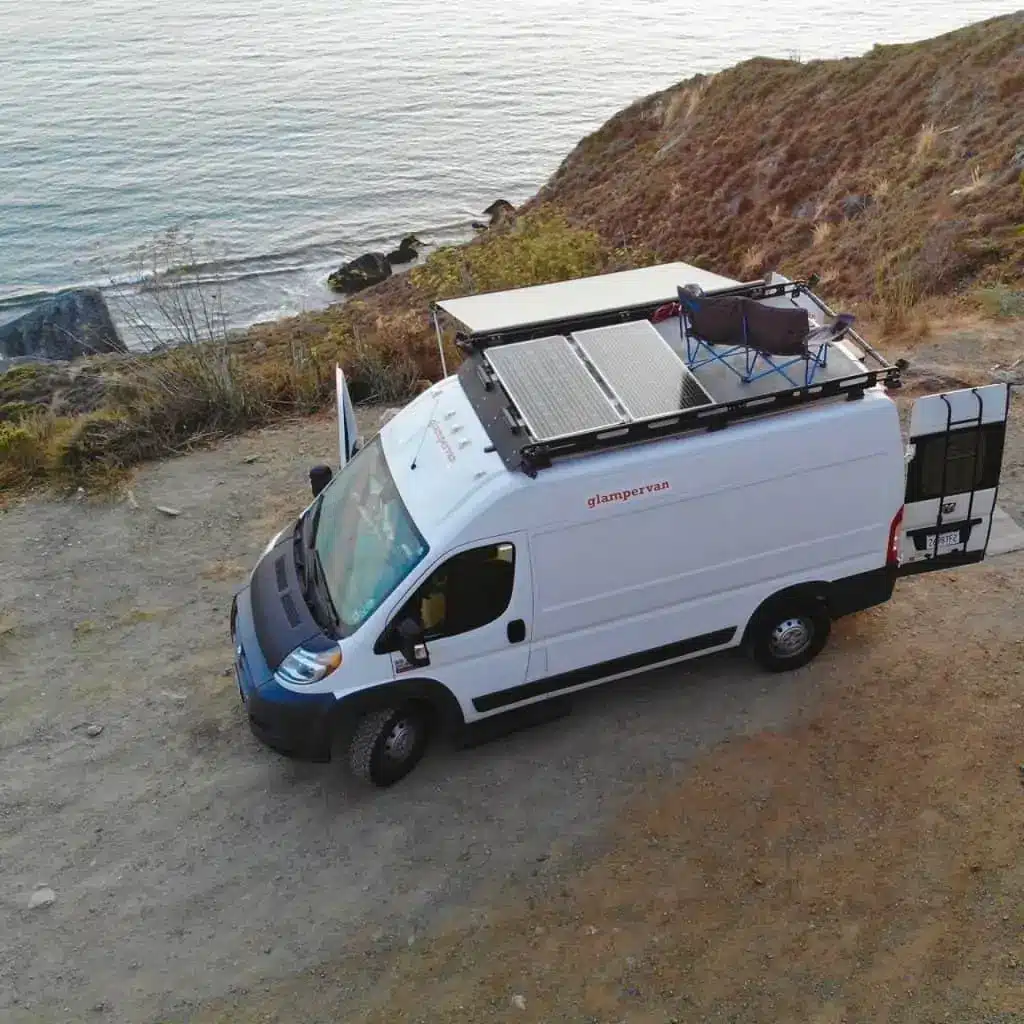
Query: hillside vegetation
897, 177
85, 422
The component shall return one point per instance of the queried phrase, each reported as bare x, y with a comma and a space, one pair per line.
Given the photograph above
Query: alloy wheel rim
401, 740
791, 638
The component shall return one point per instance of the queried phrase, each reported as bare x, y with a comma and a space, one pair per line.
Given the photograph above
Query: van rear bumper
865, 590
296, 725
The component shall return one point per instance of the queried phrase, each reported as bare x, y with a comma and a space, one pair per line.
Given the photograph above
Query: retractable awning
497, 311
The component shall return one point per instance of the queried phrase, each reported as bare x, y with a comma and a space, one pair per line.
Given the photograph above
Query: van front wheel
388, 744
789, 633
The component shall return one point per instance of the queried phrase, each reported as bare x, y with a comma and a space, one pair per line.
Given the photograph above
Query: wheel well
816, 591
445, 710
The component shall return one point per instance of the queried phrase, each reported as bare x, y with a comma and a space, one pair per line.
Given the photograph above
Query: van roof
609, 368
543, 303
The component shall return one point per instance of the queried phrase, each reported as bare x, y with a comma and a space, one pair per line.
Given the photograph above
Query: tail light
892, 552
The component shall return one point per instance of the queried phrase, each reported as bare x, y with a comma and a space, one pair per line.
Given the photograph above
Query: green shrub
24, 451
15, 412
1001, 301
539, 248
94, 444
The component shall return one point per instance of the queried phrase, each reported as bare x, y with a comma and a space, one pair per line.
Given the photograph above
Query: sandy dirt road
188, 861
198, 876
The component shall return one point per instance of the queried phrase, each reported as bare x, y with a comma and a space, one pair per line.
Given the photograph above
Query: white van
626, 471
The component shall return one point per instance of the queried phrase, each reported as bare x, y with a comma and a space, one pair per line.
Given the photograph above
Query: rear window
972, 460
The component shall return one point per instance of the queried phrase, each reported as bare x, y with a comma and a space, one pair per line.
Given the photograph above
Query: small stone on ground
41, 898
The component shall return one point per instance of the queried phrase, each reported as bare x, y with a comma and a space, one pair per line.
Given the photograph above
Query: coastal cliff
897, 177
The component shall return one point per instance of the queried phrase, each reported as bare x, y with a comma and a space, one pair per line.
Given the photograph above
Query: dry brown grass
977, 182
875, 145
926, 139
822, 233
881, 189
752, 262
684, 103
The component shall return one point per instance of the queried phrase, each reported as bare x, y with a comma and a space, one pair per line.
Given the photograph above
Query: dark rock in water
70, 325
369, 269
499, 211
478, 225
407, 251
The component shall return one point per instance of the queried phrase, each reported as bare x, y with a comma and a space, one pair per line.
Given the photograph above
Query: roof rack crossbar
519, 452
540, 454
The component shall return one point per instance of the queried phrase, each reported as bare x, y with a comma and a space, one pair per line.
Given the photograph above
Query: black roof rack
530, 450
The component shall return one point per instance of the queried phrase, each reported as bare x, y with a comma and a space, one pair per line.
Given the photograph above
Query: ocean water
287, 137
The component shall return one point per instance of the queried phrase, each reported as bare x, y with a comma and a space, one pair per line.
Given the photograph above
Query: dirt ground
698, 844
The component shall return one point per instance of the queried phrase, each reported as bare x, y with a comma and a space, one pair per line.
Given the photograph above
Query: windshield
365, 537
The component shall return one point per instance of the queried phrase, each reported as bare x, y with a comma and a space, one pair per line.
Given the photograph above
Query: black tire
388, 744
788, 633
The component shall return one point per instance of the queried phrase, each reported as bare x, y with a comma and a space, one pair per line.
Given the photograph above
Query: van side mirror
319, 478
409, 634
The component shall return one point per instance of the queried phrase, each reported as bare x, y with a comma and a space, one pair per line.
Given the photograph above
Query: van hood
436, 449
281, 618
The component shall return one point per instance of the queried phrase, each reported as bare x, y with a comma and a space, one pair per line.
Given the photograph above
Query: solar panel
641, 370
554, 391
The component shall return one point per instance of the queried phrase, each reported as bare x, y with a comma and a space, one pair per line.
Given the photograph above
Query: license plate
946, 542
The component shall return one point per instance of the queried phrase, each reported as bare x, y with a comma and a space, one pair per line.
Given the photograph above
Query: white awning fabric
496, 311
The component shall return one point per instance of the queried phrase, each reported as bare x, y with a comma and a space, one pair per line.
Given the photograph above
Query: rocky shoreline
76, 323
374, 267
70, 325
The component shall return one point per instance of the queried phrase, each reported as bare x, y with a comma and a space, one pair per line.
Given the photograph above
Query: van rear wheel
789, 633
388, 744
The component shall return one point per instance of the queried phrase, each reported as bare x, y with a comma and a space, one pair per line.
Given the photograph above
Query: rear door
955, 454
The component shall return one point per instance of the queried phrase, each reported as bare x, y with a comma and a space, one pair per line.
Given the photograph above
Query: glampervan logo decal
627, 495
442, 441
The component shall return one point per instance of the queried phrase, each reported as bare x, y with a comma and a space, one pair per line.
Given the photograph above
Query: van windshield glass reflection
366, 539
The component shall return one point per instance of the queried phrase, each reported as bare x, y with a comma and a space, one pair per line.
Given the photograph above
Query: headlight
303, 667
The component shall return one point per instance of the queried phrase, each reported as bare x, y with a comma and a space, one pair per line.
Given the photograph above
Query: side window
973, 460
466, 592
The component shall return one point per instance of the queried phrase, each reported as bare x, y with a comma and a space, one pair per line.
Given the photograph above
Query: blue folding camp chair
722, 327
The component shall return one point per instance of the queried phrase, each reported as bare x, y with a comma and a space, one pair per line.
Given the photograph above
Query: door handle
516, 631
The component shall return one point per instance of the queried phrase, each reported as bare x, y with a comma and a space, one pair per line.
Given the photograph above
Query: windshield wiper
323, 591
306, 579
311, 571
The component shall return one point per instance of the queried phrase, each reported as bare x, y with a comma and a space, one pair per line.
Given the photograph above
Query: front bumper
297, 725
